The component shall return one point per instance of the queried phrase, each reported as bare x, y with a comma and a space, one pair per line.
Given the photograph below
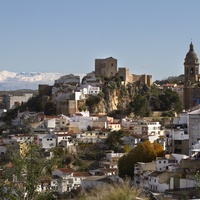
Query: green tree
67, 160
26, 174
114, 140
139, 105
50, 108
92, 101
170, 100
33, 104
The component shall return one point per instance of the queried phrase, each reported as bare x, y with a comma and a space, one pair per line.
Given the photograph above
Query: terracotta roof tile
81, 174
65, 170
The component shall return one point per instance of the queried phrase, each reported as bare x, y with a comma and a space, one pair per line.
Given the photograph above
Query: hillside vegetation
137, 99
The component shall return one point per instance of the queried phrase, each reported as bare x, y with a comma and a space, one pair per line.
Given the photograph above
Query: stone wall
125, 74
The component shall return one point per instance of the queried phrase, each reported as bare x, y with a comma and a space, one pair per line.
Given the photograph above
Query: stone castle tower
191, 79
106, 67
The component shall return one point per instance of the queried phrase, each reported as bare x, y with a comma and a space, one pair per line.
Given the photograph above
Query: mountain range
26, 80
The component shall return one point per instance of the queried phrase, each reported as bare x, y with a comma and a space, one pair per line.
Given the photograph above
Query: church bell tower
191, 66
191, 79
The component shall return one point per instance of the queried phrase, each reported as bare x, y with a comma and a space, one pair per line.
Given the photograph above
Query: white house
89, 89
65, 179
95, 181
159, 181
142, 127
20, 138
78, 177
65, 140
163, 163
177, 138
110, 155
114, 126
46, 141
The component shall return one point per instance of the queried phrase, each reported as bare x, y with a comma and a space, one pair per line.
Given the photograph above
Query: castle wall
72, 106
67, 107
149, 80
126, 75
146, 79
136, 77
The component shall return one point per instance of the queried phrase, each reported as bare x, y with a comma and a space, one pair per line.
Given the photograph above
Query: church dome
191, 55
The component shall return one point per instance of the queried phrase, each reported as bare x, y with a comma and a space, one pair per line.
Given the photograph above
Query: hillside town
79, 142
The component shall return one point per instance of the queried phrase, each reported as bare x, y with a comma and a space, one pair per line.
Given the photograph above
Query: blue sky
147, 36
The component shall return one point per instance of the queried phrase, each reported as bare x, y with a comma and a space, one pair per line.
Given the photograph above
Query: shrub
115, 192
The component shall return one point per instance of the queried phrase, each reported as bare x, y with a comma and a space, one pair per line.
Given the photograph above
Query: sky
66, 36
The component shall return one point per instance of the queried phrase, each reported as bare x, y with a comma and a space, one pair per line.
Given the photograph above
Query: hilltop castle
108, 67
69, 91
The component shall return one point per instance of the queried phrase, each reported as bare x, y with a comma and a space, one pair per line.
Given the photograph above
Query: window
159, 161
192, 70
178, 142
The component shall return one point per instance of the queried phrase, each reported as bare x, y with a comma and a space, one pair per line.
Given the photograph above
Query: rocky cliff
113, 98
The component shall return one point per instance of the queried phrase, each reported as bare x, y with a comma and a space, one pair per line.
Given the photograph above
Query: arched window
192, 70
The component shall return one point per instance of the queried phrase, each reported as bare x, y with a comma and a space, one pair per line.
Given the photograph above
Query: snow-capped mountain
26, 80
